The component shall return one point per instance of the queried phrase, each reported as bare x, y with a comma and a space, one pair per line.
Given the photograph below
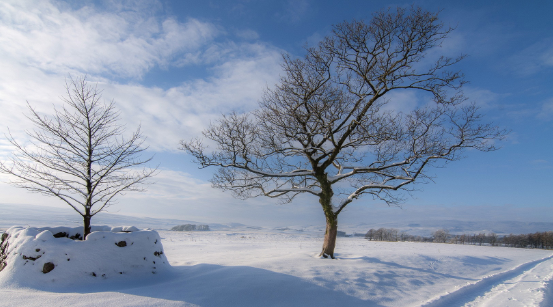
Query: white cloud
176, 186
482, 97
182, 112
57, 39
40, 43
20, 84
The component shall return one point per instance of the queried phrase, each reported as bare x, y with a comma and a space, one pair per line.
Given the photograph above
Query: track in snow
497, 290
548, 293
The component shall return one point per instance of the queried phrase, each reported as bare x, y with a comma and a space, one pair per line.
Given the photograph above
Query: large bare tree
79, 154
330, 128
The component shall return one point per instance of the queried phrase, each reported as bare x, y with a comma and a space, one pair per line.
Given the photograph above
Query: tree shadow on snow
470, 260
210, 285
400, 266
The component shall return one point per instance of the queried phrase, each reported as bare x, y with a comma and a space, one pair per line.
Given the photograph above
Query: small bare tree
79, 154
328, 128
441, 235
493, 239
370, 234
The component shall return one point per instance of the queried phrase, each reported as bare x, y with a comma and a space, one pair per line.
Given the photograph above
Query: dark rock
121, 243
158, 254
48, 267
4, 251
77, 236
37, 250
31, 258
93, 274
61, 234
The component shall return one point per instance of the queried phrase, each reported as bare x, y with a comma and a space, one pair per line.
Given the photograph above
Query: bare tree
370, 234
404, 236
493, 238
441, 235
329, 128
481, 238
79, 154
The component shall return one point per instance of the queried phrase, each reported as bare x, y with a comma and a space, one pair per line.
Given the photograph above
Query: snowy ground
246, 267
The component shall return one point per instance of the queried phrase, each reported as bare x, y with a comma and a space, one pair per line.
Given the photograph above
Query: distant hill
38, 216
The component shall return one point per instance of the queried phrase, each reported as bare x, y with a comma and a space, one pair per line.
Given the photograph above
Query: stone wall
30, 256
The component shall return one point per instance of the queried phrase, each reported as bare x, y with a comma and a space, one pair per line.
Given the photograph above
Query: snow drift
39, 257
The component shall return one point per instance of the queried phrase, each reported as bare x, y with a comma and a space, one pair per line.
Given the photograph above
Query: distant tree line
476, 239
543, 240
393, 235
191, 227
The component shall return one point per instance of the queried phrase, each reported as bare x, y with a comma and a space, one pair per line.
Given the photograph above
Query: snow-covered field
248, 267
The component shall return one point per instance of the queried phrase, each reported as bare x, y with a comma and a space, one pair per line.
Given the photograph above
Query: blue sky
172, 66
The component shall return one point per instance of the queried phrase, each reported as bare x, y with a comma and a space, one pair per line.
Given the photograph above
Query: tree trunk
86, 219
325, 199
330, 238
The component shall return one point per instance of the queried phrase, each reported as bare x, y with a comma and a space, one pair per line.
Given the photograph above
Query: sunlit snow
243, 266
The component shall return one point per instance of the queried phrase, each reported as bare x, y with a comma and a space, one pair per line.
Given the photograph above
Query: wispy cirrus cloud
182, 112
247, 34
57, 39
42, 42
534, 58
294, 11
546, 111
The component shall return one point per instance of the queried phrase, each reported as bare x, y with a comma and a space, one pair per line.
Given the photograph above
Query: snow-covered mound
48, 256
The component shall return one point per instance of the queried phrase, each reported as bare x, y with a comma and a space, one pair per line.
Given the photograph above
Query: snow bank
47, 256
